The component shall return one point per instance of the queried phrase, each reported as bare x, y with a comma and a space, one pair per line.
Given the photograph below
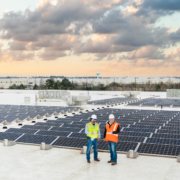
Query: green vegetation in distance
65, 84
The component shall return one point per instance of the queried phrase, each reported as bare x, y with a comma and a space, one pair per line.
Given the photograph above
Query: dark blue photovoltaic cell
27, 131
36, 139
9, 136
70, 142
159, 149
175, 142
53, 133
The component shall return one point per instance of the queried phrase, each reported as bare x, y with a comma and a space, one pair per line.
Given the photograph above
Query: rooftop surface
28, 162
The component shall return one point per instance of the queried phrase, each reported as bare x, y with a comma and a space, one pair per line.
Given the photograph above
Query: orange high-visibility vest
109, 135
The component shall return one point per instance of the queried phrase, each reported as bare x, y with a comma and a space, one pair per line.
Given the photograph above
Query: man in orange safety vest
111, 133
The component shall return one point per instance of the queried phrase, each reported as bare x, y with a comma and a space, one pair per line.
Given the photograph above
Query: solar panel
70, 142
53, 133
35, 127
138, 126
159, 149
36, 139
21, 131
9, 136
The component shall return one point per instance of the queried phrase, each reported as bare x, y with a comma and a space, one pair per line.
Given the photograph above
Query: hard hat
111, 116
94, 117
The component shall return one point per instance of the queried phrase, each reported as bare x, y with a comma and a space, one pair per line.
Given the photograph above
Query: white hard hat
111, 116
94, 116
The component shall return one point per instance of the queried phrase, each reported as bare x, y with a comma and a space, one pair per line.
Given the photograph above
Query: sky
82, 37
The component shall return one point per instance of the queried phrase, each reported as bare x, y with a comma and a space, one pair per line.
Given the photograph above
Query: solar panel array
157, 102
144, 131
112, 101
11, 113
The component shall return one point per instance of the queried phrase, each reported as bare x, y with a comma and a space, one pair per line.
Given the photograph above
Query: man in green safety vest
93, 135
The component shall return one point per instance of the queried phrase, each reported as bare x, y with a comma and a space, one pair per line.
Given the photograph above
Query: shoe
88, 161
113, 163
96, 159
110, 161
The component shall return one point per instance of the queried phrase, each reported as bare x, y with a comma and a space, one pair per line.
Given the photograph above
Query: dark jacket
114, 132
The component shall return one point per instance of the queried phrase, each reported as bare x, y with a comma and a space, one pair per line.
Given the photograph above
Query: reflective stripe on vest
109, 135
92, 129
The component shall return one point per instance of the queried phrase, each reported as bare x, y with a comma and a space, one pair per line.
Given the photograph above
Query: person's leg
110, 150
89, 144
114, 152
95, 149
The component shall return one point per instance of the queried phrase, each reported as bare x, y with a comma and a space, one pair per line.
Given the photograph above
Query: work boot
96, 159
113, 163
88, 161
110, 161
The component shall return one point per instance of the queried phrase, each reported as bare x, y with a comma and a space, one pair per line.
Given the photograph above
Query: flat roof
28, 162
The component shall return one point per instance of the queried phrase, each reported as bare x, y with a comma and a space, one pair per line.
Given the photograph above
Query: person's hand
104, 139
92, 133
98, 139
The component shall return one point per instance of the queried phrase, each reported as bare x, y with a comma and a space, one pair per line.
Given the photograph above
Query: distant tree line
65, 84
14, 86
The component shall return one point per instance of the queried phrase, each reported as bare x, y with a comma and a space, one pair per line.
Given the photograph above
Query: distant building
5, 82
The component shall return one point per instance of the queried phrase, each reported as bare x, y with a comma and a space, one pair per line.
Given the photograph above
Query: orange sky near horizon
76, 66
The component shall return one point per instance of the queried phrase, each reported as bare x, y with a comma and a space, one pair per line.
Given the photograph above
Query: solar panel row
11, 113
151, 128
157, 102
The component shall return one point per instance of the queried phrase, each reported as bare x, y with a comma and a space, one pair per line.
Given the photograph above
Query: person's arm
86, 130
117, 131
105, 133
99, 133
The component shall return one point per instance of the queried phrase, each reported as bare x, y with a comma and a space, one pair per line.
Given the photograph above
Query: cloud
102, 28
149, 52
21, 56
173, 55
51, 55
170, 5
1, 49
17, 46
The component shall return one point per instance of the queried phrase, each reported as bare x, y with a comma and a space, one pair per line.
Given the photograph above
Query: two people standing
111, 133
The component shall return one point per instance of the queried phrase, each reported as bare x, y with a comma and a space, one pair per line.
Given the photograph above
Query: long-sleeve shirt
114, 132
87, 132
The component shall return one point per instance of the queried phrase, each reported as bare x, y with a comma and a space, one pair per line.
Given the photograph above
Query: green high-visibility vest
92, 129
